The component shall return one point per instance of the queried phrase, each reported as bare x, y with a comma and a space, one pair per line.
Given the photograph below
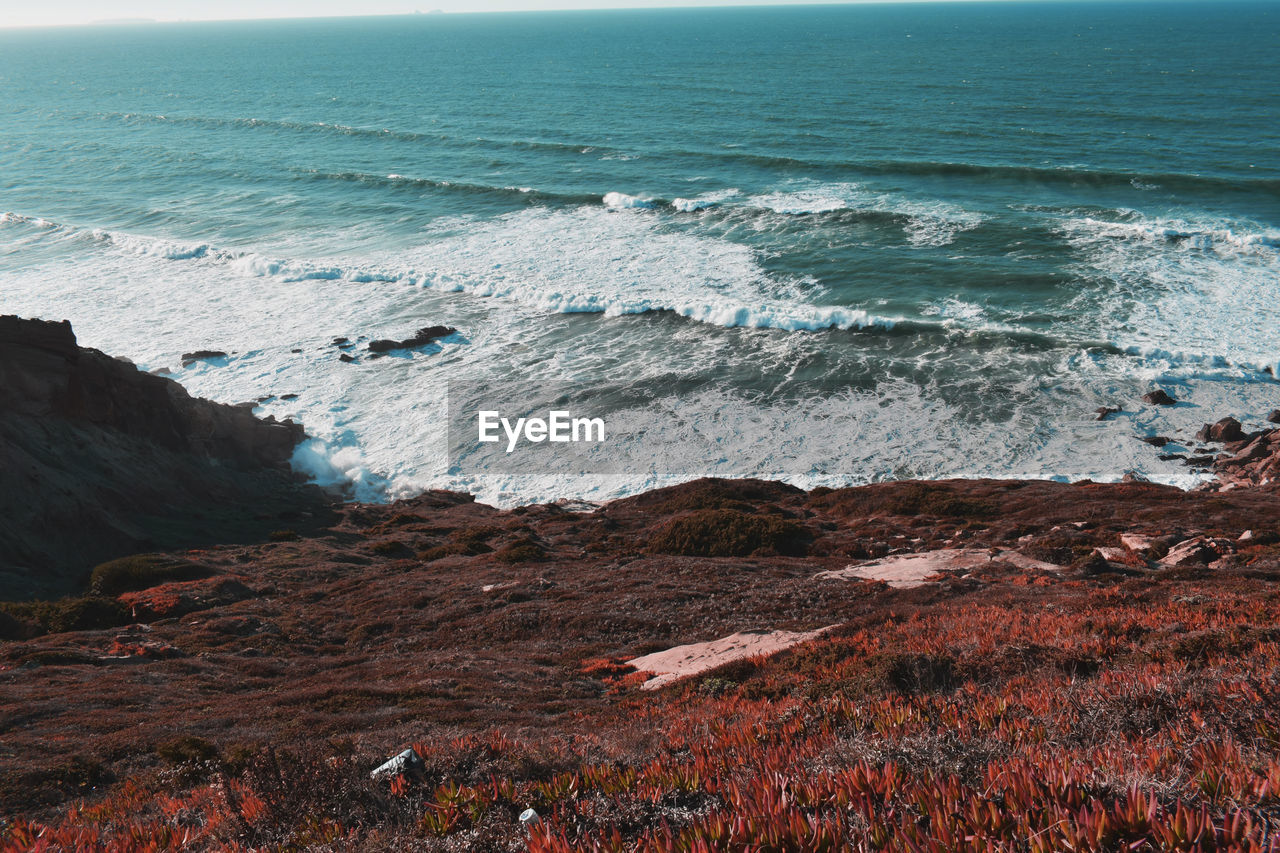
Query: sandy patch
683, 661
909, 570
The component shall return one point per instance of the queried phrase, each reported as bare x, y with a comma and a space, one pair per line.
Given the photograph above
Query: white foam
343, 468
378, 424
622, 201
167, 249
928, 223
1194, 294
1216, 236
693, 205
587, 261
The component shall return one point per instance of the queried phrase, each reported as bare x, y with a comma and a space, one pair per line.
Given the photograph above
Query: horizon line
127, 21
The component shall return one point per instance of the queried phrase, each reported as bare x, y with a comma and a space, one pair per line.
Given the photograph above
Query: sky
17, 13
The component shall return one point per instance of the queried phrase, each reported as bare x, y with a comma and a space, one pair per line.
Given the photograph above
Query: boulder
1135, 541
1227, 429
1158, 397
1198, 551
420, 338
407, 762
190, 358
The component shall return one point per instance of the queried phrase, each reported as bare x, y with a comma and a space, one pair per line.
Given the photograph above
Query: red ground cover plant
1105, 706
1146, 717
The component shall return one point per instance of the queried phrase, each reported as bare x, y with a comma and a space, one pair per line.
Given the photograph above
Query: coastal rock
420, 338
1254, 461
1104, 412
118, 461
1227, 429
1157, 440
1158, 397
1199, 551
1273, 417
683, 661
190, 358
43, 373
1135, 541
905, 571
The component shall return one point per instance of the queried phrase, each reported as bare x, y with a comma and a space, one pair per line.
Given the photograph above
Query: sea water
834, 244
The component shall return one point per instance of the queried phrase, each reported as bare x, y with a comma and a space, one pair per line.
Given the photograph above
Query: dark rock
1273, 417
1227, 429
346, 359
288, 396
1168, 457
190, 358
1104, 412
1157, 440
296, 350
423, 336
1199, 461
99, 460
337, 342
1158, 397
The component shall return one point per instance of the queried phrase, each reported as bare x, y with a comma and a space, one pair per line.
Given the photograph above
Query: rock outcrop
99, 459
422, 337
1227, 429
1253, 460
44, 374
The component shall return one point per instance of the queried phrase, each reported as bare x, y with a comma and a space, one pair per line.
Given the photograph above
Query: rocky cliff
99, 459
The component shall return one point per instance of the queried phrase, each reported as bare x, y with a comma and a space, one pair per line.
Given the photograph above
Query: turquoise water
862, 242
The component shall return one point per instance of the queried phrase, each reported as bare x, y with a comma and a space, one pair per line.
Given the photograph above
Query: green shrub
1061, 547
936, 500
438, 552
715, 494
13, 627
728, 533
87, 613
187, 750
80, 775
521, 551
391, 548
913, 673
141, 571
475, 539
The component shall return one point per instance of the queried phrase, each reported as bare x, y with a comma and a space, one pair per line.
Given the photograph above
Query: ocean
823, 244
